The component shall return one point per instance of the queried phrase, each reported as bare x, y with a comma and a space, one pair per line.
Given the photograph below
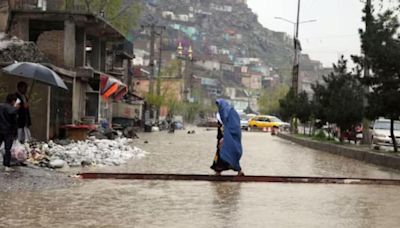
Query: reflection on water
106, 203
203, 204
226, 197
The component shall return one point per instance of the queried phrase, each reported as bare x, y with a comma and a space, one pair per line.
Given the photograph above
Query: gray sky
334, 33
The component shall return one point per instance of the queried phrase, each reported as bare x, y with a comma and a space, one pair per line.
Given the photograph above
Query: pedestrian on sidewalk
24, 116
8, 128
229, 140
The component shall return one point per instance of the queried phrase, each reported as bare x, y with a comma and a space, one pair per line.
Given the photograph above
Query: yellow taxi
264, 121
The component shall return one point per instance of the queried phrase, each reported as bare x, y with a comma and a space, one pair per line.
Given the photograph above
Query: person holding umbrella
37, 73
24, 116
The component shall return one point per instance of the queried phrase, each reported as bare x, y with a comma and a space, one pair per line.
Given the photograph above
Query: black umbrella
36, 72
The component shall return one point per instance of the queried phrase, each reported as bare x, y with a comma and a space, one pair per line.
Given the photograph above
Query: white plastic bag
24, 134
2, 151
18, 152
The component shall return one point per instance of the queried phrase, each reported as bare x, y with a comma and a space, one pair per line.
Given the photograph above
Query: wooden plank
230, 178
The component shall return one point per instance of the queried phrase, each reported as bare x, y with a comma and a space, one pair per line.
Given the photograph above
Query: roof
95, 25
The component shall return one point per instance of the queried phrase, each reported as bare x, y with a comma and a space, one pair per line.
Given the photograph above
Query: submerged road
153, 203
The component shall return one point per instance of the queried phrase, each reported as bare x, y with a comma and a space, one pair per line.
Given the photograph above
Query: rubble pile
85, 153
13, 49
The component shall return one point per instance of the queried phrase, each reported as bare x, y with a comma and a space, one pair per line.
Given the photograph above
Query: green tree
340, 99
381, 46
303, 110
295, 107
319, 101
165, 96
122, 16
269, 99
288, 109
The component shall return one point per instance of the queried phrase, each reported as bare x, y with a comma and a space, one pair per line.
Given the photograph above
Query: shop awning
112, 87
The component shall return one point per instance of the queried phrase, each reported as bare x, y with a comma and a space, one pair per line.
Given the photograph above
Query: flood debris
92, 152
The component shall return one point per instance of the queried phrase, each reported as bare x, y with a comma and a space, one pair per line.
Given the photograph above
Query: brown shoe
240, 173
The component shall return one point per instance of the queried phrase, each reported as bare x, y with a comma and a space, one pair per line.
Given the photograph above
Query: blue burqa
231, 150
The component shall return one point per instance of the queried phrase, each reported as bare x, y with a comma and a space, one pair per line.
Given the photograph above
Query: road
105, 203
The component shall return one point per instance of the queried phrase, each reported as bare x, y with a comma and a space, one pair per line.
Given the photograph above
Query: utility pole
151, 64
158, 89
153, 34
366, 122
296, 64
367, 22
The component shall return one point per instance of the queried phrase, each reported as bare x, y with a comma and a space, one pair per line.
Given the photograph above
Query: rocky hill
221, 28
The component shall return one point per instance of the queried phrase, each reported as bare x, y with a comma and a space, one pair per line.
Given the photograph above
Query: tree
288, 105
295, 107
381, 46
303, 110
288, 109
122, 16
340, 99
269, 99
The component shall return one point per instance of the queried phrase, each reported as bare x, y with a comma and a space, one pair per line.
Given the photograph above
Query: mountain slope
222, 27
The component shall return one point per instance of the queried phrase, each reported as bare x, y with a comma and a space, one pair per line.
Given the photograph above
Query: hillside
221, 27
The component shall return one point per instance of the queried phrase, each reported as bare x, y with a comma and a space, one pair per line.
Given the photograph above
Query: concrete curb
381, 159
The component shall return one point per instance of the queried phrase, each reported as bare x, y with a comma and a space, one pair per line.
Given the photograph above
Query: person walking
229, 140
8, 128
24, 116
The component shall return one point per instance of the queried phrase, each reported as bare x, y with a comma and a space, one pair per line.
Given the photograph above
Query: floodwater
105, 203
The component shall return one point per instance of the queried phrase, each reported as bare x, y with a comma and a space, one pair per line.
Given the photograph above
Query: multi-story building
90, 55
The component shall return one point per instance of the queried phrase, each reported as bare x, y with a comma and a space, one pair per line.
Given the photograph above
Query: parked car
380, 133
265, 121
244, 120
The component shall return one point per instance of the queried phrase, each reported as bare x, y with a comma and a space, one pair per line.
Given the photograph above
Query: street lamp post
297, 48
296, 62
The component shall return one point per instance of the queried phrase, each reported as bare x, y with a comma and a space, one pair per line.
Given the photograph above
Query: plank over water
230, 178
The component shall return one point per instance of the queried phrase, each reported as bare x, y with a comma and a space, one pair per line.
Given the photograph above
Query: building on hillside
310, 74
170, 88
208, 64
238, 98
252, 81
246, 61
221, 8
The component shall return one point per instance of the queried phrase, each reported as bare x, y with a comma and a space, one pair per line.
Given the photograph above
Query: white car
380, 133
244, 120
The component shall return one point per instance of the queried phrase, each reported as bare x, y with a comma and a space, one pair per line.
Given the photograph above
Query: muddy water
104, 203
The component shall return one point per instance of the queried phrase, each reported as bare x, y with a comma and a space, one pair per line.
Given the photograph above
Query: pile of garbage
92, 152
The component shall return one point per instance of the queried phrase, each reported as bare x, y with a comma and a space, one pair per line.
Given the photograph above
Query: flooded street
105, 203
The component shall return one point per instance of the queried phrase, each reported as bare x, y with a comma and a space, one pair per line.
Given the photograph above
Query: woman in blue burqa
229, 140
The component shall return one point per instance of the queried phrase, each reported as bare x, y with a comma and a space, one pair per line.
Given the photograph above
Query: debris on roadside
66, 153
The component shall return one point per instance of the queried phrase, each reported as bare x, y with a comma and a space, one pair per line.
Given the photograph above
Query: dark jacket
8, 119
24, 116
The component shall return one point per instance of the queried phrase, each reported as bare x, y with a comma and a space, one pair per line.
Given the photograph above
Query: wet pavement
32, 178
105, 203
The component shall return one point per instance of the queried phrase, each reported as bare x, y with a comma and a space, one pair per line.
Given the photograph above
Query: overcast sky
334, 33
